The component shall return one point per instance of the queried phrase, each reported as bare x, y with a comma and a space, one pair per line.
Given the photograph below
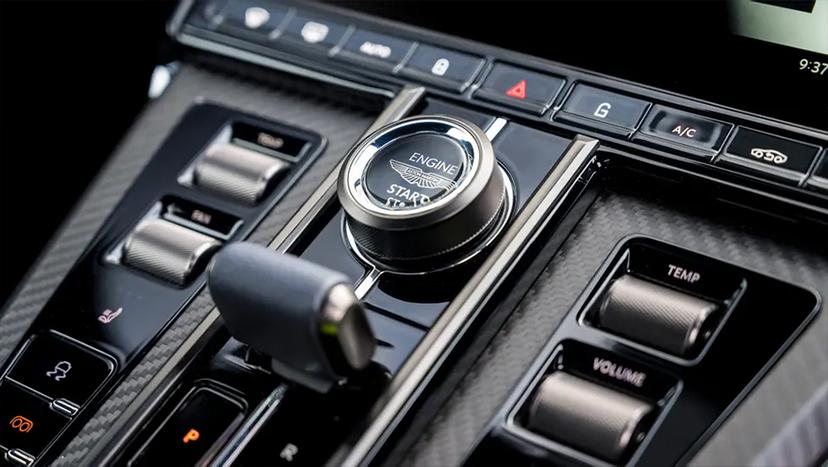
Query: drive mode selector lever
425, 188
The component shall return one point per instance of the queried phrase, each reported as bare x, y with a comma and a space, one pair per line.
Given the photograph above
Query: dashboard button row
529, 90
274, 25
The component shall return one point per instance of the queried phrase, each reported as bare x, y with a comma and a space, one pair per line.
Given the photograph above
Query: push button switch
60, 369
313, 31
26, 422
606, 110
443, 68
251, 18
768, 154
201, 422
668, 127
375, 49
519, 87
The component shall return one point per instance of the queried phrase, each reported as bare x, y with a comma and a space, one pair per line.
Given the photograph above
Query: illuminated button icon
289, 452
440, 67
60, 371
191, 436
21, 424
314, 33
602, 110
255, 17
684, 131
107, 316
518, 91
769, 155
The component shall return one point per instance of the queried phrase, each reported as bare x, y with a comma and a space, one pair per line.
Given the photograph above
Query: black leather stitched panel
614, 216
342, 125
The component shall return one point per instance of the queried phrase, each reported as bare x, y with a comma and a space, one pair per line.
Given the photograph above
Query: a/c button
669, 127
607, 111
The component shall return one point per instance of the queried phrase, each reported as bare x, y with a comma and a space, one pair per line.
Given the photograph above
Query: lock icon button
440, 67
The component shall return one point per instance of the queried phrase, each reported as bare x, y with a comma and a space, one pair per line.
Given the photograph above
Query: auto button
375, 49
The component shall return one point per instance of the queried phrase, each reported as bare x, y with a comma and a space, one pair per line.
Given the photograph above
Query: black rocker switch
304, 316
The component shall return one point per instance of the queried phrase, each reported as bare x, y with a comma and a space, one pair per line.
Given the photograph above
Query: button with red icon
520, 87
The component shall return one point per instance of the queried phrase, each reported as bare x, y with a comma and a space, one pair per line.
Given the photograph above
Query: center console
359, 242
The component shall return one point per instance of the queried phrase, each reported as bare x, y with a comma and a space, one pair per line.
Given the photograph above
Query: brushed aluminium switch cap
169, 251
655, 315
236, 172
595, 419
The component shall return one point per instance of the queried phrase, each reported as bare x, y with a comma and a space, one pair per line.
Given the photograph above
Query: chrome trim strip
447, 330
495, 128
230, 452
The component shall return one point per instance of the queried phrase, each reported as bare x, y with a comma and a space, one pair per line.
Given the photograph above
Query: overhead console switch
422, 189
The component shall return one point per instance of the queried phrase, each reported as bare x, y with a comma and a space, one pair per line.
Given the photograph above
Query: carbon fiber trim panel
614, 216
341, 124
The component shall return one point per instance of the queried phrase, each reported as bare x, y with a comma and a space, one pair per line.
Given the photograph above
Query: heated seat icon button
61, 369
518, 87
26, 422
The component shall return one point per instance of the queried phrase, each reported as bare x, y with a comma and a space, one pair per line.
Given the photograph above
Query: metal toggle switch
236, 172
597, 420
168, 251
655, 315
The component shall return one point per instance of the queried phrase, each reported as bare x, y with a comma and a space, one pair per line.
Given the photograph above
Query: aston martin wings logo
416, 176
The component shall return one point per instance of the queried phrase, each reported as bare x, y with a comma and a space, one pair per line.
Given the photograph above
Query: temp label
683, 274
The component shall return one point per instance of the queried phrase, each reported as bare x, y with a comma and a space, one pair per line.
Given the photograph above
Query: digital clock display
814, 66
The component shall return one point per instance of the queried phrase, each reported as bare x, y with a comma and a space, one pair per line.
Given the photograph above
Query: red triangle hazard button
518, 91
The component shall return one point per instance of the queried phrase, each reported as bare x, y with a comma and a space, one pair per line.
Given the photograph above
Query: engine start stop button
415, 171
